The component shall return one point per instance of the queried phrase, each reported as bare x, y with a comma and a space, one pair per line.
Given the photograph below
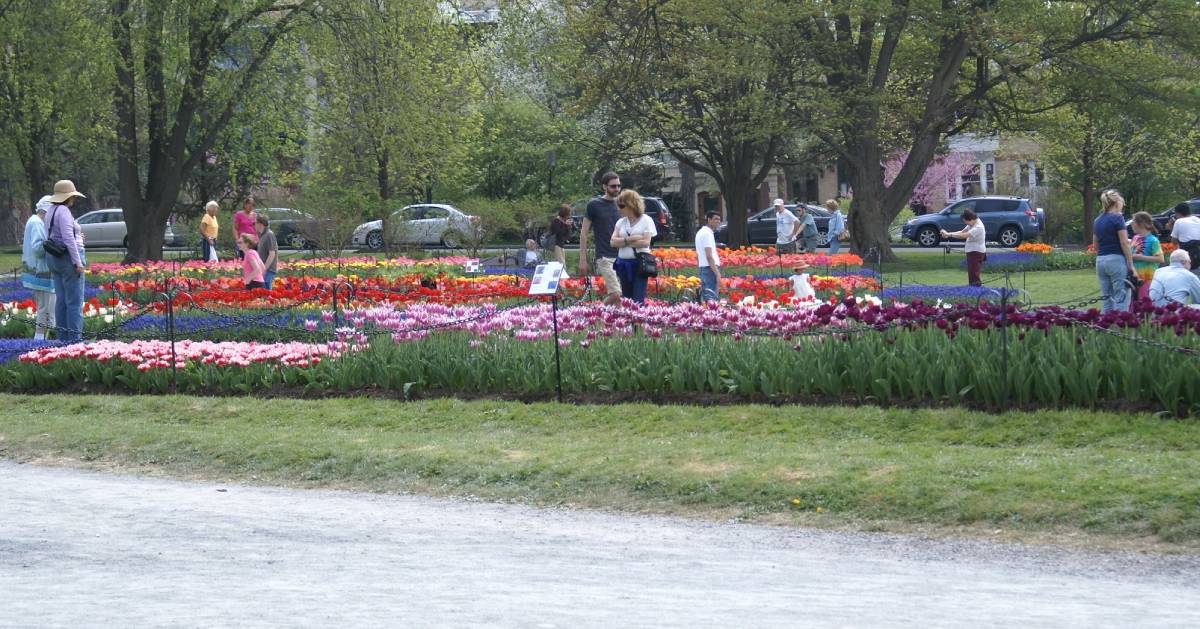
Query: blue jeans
268, 277
633, 284
68, 295
708, 284
1112, 271
835, 245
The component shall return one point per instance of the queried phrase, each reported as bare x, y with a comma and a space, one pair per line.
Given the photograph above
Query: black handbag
53, 247
647, 264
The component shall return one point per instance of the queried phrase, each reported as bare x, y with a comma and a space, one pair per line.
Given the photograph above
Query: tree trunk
740, 190
869, 220
1087, 162
687, 190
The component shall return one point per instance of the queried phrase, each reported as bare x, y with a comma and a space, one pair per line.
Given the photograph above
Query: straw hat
64, 190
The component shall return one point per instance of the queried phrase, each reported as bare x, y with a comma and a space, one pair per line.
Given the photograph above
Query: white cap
43, 205
778, 202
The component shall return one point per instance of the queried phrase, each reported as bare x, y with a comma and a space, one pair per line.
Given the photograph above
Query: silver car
423, 224
106, 228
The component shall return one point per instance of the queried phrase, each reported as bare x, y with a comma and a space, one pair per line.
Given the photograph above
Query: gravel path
88, 549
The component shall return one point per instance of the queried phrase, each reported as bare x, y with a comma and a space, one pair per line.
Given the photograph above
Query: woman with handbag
63, 243
633, 232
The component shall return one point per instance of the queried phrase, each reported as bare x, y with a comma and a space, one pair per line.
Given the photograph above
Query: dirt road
87, 549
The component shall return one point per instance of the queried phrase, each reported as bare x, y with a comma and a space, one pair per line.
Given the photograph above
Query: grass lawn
1114, 479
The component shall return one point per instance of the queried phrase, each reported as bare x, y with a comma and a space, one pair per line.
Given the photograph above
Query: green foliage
513, 160
397, 97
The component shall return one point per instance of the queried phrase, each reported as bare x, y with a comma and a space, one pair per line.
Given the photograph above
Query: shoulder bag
53, 247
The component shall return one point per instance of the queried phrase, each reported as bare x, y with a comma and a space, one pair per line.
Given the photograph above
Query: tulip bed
404, 326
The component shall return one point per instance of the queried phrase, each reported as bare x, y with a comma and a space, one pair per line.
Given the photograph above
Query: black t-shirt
603, 215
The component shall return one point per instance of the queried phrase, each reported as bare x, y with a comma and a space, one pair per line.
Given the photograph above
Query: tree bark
687, 190
1087, 170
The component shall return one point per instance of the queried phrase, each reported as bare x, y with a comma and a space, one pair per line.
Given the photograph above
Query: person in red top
252, 265
243, 223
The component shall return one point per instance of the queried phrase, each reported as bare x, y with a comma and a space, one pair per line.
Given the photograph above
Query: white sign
471, 266
546, 278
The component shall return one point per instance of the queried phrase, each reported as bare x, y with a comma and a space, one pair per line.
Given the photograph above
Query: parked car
1006, 220
656, 208
1163, 221
296, 229
760, 226
425, 224
106, 228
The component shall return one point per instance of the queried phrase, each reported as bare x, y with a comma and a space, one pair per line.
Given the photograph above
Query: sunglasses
613, 186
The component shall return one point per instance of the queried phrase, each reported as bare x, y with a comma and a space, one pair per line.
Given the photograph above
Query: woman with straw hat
35, 269
66, 268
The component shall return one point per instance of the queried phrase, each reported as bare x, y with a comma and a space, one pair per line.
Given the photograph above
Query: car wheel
452, 239
375, 240
823, 238
1010, 236
297, 241
928, 237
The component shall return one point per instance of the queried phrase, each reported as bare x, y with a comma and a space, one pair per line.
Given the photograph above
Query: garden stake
557, 356
1004, 337
171, 336
336, 323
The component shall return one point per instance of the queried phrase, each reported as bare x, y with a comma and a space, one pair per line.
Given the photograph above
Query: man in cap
787, 228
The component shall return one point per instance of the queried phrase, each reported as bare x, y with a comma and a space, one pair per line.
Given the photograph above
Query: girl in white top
632, 234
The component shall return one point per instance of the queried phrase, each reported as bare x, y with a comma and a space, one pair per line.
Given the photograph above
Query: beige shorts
604, 266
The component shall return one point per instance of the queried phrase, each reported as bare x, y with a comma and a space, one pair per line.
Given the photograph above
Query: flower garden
407, 328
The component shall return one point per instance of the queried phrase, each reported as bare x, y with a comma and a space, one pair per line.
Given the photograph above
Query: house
983, 165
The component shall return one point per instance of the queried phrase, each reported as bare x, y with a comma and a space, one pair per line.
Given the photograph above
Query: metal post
557, 353
1004, 336
336, 318
171, 336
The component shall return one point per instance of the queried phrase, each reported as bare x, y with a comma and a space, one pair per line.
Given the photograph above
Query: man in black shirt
601, 216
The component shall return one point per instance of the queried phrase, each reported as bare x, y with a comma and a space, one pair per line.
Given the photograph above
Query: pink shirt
250, 271
244, 223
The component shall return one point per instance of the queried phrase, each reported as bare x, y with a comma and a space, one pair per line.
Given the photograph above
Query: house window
970, 182
1027, 174
989, 178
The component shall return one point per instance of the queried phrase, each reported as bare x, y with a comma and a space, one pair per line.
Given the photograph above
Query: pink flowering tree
942, 171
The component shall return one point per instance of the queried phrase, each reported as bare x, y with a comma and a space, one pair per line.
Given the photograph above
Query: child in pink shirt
243, 222
252, 265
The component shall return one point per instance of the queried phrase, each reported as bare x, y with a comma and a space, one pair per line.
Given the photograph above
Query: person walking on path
252, 266
243, 223
560, 232
810, 238
837, 227
67, 269
1114, 258
707, 258
35, 269
787, 228
1185, 231
268, 249
601, 217
208, 232
974, 234
633, 234
1147, 251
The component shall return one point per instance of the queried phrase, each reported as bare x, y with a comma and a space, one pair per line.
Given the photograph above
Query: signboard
471, 266
546, 278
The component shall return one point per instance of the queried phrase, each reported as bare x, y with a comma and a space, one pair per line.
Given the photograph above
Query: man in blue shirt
837, 226
1175, 283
